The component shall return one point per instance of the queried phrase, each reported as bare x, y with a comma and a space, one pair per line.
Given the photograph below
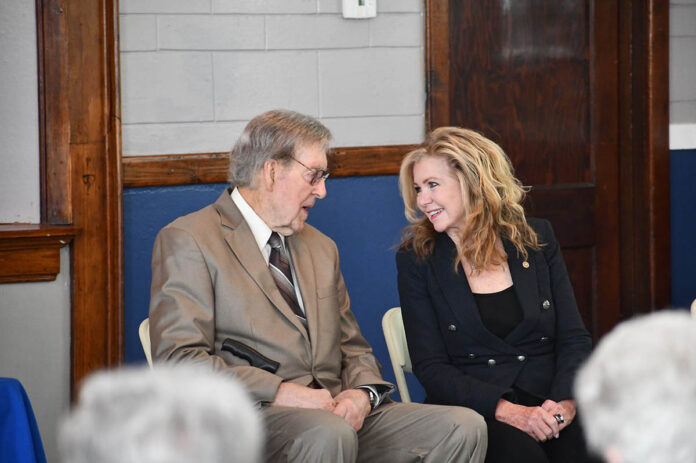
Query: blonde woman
489, 311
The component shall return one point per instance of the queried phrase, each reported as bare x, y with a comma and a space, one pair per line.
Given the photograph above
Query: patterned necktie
279, 264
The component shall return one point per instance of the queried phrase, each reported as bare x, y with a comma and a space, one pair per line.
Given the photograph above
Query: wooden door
557, 85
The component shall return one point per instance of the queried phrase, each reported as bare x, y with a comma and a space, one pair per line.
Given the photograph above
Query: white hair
170, 414
637, 392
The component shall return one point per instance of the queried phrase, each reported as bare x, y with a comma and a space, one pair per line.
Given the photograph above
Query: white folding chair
144, 333
393, 327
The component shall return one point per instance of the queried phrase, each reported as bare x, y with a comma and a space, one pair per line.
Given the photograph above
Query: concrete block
682, 112
205, 137
370, 131
399, 6
682, 20
329, 6
682, 68
397, 30
264, 6
383, 6
166, 87
221, 32
371, 82
20, 198
315, 31
138, 32
164, 6
248, 83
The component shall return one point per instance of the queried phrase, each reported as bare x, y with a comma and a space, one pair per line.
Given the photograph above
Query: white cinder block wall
193, 72
19, 113
682, 74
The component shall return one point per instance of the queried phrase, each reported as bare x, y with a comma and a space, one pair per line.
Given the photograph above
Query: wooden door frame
638, 179
79, 140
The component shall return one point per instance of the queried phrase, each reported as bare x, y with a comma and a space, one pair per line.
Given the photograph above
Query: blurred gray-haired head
276, 135
637, 392
170, 414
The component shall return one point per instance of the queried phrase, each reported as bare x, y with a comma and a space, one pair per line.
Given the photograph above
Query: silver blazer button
491, 362
452, 328
546, 304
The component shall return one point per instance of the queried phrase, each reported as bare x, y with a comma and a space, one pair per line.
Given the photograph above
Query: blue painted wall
683, 227
363, 215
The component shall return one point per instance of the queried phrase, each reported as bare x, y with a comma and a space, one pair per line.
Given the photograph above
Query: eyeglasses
317, 174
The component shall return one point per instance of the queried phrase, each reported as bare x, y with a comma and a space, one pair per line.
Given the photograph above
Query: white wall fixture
359, 9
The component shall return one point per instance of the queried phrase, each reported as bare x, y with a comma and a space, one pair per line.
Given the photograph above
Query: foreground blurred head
637, 392
170, 414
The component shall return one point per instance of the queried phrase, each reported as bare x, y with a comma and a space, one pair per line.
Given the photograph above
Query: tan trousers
395, 433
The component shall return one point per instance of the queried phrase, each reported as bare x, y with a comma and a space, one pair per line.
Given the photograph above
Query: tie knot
274, 241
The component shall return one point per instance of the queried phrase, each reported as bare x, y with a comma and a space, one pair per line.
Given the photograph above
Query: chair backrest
144, 333
393, 327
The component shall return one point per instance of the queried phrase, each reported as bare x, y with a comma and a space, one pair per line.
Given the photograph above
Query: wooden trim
174, 169
437, 64
80, 180
604, 130
644, 156
31, 252
184, 169
54, 122
657, 155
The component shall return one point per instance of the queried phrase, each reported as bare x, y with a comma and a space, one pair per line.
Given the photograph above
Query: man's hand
353, 405
564, 407
535, 421
294, 395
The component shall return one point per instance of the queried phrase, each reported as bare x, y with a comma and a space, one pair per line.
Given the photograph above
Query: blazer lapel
241, 242
457, 292
524, 278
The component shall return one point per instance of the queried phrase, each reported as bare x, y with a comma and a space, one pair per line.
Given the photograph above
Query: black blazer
460, 362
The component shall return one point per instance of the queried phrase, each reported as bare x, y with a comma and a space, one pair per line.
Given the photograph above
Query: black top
500, 312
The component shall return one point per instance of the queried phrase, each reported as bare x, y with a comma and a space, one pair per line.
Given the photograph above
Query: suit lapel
524, 278
242, 244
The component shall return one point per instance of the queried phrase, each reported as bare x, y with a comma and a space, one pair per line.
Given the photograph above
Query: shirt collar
259, 229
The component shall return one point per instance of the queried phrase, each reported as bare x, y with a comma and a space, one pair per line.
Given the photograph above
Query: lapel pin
525, 264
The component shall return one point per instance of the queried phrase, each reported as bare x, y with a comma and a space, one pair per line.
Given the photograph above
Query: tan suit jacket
210, 282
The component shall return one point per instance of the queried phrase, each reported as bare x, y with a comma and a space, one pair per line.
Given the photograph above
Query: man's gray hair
637, 392
171, 414
272, 135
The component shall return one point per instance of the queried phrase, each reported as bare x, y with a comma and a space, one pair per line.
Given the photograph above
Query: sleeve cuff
377, 393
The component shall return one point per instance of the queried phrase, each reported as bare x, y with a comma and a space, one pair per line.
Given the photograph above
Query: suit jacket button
544, 339
472, 356
452, 328
491, 362
546, 304
521, 358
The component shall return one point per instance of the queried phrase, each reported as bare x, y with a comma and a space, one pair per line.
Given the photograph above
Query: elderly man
637, 392
245, 286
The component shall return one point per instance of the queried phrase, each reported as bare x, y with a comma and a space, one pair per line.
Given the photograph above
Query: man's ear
270, 173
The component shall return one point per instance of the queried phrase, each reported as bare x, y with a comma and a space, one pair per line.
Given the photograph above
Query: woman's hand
535, 421
565, 408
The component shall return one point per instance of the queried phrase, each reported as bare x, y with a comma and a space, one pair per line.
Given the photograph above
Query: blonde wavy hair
489, 189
